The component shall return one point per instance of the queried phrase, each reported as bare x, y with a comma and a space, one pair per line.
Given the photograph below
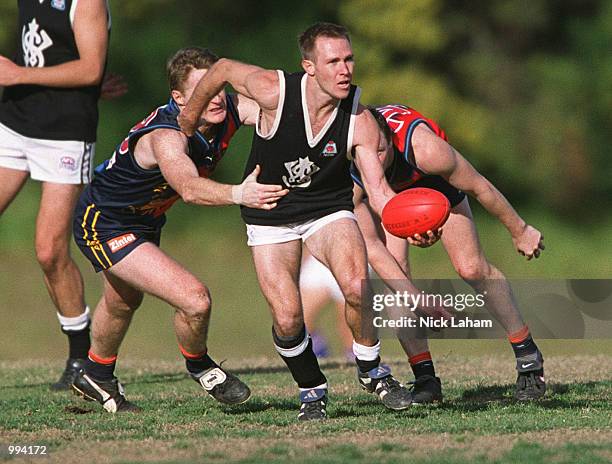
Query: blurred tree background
523, 89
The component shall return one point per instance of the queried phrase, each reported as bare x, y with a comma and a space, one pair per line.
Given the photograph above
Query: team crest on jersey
300, 173
34, 43
330, 149
59, 4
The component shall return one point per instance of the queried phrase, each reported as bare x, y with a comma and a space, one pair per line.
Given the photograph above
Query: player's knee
124, 306
474, 271
50, 256
287, 325
352, 292
198, 304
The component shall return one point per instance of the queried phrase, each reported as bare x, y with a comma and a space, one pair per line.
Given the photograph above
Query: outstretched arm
169, 149
258, 84
91, 37
435, 156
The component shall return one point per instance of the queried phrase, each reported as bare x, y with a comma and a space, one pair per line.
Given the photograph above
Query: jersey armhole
72, 13
279, 109
231, 106
408, 140
351, 131
357, 178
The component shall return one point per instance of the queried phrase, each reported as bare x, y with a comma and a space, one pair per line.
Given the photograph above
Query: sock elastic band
418, 358
519, 336
73, 324
100, 360
366, 353
189, 355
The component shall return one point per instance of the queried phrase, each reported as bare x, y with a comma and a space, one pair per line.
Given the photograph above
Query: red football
415, 211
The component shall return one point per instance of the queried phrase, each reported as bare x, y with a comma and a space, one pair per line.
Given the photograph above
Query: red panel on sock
100, 360
519, 336
189, 355
417, 358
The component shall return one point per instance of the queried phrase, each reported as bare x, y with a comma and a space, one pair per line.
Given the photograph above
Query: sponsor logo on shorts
119, 242
68, 163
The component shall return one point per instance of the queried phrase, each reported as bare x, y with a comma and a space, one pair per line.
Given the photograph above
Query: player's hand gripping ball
415, 211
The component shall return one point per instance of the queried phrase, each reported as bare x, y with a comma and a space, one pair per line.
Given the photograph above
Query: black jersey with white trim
314, 167
46, 38
128, 195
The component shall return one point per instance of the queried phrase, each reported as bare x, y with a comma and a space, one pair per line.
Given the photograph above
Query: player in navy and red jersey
414, 152
118, 222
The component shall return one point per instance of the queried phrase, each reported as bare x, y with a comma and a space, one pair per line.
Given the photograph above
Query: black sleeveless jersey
315, 169
47, 39
128, 195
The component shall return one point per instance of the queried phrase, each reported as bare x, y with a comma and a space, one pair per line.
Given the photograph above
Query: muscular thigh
149, 269
53, 223
340, 246
460, 237
277, 267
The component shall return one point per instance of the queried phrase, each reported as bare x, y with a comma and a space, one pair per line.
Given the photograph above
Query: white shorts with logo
268, 235
58, 161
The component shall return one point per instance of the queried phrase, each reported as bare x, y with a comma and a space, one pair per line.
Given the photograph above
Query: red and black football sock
100, 368
526, 351
197, 363
299, 357
422, 364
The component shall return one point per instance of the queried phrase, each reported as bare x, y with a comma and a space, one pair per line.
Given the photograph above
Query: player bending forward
118, 221
414, 153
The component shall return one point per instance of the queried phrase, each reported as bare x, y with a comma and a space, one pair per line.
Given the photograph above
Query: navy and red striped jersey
129, 195
403, 171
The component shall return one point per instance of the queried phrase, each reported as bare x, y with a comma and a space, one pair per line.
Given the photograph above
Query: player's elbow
188, 194
92, 74
481, 188
189, 197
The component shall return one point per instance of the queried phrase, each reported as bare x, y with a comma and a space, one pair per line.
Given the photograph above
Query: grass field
478, 421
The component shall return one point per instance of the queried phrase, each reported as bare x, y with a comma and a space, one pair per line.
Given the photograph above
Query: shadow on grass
483, 397
131, 379
259, 404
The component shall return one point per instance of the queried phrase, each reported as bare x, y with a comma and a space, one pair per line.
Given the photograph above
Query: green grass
478, 422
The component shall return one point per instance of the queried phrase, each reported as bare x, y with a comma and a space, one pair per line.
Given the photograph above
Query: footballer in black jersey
308, 127
48, 121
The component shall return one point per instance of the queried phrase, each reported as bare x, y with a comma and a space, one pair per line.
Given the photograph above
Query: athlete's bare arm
91, 36
167, 148
435, 156
248, 109
365, 145
258, 84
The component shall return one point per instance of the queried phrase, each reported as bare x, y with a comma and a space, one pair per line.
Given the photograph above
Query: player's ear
308, 67
178, 97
